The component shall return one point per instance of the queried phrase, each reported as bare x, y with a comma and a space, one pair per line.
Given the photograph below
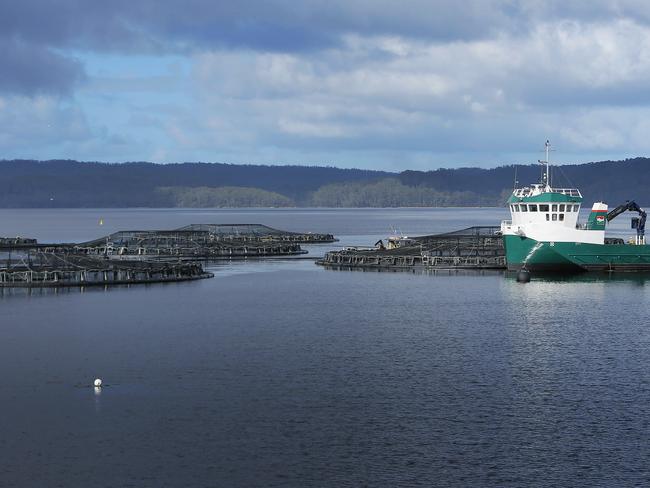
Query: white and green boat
545, 235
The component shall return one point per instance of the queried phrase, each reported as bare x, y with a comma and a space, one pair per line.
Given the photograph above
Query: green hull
574, 256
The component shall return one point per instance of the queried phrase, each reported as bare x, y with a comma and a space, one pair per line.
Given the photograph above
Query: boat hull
574, 256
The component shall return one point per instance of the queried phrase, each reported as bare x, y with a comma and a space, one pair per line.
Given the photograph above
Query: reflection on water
640, 278
417, 270
49, 291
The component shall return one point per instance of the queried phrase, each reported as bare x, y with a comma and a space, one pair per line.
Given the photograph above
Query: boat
544, 233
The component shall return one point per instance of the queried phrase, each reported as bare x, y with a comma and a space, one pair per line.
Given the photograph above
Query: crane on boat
638, 223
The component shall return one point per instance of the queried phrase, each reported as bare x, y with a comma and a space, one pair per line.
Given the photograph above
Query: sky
375, 84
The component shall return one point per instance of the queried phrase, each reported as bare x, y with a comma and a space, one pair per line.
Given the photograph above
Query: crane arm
633, 207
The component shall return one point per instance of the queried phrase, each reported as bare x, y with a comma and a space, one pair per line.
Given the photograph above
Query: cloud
31, 70
390, 83
404, 94
278, 25
30, 122
285, 25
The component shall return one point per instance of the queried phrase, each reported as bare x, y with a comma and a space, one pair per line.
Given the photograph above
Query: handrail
527, 191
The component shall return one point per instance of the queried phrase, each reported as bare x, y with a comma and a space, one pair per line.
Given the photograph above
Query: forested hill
62, 183
609, 181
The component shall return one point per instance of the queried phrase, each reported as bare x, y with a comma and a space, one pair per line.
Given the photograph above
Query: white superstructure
549, 214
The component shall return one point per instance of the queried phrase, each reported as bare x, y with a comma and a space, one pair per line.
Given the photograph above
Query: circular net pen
40, 268
183, 243
258, 231
471, 248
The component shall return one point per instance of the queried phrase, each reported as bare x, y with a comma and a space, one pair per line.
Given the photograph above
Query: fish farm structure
258, 231
202, 241
471, 248
39, 268
142, 256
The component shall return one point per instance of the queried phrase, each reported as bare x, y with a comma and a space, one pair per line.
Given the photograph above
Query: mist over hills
65, 183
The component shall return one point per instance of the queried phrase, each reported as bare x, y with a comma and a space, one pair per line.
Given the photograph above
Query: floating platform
143, 256
37, 268
16, 241
471, 248
202, 241
189, 244
258, 232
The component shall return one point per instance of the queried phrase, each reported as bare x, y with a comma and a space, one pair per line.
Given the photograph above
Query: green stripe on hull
574, 256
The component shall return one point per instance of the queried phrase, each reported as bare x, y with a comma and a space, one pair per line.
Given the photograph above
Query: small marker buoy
523, 276
98, 383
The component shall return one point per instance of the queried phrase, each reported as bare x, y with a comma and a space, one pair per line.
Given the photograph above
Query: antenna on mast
546, 177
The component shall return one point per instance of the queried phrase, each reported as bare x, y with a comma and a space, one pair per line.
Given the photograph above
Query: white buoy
98, 383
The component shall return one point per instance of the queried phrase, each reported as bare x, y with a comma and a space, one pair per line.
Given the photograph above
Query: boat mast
547, 172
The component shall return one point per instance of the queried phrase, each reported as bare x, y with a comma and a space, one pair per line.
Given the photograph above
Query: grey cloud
280, 25
74, 23
316, 77
36, 27
29, 70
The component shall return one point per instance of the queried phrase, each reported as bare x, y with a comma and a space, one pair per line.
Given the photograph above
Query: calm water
281, 373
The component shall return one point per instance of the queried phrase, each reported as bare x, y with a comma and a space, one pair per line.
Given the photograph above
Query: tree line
63, 183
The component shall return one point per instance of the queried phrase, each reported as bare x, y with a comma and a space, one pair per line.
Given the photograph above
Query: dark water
281, 373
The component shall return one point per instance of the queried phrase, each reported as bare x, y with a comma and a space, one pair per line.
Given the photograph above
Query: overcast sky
352, 83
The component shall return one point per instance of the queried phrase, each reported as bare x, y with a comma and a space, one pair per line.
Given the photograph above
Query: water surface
282, 373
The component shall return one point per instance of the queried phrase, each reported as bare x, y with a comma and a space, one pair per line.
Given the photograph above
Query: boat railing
527, 191
522, 192
572, 192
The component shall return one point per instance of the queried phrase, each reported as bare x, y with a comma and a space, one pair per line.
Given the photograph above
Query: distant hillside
609, 181
391, 192
220, 197
62, 183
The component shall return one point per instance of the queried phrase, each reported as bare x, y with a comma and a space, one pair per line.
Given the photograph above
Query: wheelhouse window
515, 208
576, 208
532, 208
554, 207
523, 207
561, 207
543, 208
